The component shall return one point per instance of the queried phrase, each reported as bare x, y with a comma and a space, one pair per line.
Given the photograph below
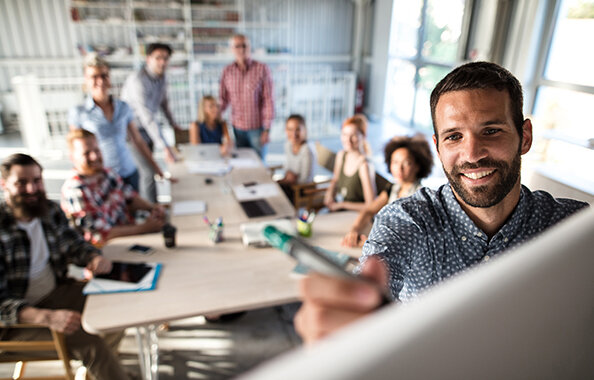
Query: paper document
208, 167
105, 286
255, 191
188, 208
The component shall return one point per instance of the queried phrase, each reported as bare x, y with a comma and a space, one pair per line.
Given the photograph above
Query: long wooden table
199, 277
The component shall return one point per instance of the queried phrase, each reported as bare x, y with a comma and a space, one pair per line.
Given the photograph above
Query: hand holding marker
311, 258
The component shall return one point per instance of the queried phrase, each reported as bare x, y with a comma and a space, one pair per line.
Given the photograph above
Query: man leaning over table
246, 85
480, 134
97, 200
36, 244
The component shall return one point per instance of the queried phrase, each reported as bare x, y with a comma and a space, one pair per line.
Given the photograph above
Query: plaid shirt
65, 245
97, 204
250, 95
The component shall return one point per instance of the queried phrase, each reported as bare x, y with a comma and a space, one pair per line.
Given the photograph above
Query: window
565, 90
424, 45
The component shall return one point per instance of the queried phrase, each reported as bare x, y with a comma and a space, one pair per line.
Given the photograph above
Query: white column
32, 119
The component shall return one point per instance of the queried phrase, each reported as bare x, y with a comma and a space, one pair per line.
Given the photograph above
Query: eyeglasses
104, 76
240, 46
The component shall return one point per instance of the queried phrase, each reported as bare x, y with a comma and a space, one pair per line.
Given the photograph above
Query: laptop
201, 152
257, 208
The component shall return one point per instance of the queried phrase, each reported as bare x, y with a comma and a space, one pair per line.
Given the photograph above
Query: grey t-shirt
301, 163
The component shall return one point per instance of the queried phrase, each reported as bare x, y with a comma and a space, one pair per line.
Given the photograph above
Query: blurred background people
299, 158
112, 122
352, 186
246, 85
409, 160
210, 127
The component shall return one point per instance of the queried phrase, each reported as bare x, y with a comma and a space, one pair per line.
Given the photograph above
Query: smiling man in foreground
480, 134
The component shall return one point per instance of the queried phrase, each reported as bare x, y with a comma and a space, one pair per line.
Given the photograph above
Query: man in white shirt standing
36, 245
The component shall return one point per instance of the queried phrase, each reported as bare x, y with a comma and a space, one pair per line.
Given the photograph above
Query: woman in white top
409, 160
299, 158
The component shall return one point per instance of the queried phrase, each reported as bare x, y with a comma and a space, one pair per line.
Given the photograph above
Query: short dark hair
17, 159
482, 75
158, 46
419, 149
300, 119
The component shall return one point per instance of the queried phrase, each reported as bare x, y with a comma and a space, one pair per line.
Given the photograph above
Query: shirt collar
464, 226
248, 63
90, 103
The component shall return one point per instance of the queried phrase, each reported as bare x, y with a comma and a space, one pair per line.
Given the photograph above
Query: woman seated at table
352, 187
409, 159
299, 158
210, 127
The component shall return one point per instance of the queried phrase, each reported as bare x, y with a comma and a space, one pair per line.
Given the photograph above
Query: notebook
256, 208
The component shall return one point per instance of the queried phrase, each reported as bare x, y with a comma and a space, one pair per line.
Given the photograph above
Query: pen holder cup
215, 234
304, 228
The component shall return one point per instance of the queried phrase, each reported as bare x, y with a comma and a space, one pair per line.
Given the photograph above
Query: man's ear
436, 145
526, 136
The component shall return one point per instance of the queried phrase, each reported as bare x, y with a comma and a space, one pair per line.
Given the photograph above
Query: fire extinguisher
359, 94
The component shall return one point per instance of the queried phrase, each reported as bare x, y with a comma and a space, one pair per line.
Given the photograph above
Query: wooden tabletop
199, 277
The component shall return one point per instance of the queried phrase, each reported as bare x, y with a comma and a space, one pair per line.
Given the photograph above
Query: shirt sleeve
74, 117
89, 217
9, 306
135, 92
76, 249
223, 92
305, 164
165, 107
267, 110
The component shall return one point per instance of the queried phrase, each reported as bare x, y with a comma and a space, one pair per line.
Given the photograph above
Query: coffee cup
169, 231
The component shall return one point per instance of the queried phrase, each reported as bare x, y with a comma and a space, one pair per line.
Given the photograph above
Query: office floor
195, 349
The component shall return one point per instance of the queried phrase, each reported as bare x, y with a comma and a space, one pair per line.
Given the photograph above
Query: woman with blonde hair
352, 187
210, 127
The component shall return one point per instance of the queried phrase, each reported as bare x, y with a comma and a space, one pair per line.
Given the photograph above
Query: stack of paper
255, 191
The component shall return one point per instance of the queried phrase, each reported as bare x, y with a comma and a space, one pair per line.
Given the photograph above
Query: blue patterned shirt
111, 135
428, 237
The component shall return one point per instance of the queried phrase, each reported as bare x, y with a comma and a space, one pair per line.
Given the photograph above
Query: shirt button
505, 240
486, 258
463, 238
479, 234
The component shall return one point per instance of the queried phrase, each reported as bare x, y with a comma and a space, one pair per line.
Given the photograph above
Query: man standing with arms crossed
246, 85
146, 92
480, 134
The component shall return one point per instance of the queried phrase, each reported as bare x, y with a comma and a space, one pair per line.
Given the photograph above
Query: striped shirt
65, 245
249, 93
427, 237
146, 94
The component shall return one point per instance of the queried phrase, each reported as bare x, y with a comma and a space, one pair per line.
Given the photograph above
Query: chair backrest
22, 352
182, 137
326, 157
380, 183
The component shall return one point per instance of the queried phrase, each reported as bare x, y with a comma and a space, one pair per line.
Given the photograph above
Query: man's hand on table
98, 265
330, 303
